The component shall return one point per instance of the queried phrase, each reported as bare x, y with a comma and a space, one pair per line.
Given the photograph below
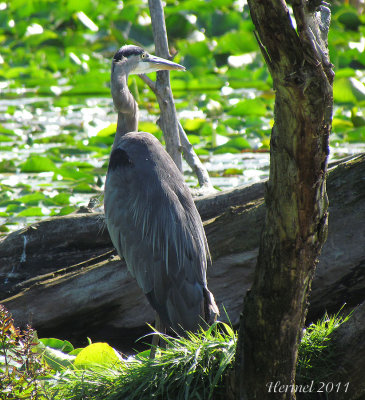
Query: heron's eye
144, 55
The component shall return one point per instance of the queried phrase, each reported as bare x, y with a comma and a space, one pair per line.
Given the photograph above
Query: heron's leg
162, 329
156, 337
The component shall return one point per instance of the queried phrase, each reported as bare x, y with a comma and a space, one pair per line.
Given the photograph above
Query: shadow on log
62, 274
350, 351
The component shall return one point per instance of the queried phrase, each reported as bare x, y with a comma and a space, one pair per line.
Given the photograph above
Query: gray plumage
150, 214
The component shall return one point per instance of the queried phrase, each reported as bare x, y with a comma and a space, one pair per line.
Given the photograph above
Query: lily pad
97, 355
36, 163
255, 107
31, 212
32, 199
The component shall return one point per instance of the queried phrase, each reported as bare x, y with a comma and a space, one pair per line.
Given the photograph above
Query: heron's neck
126, 106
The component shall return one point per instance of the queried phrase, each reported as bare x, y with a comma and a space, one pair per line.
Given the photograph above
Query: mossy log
63, 276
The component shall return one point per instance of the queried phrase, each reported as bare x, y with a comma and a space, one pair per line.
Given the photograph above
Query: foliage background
57, 120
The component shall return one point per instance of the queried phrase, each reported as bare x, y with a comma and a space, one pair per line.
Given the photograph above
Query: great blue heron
150, 213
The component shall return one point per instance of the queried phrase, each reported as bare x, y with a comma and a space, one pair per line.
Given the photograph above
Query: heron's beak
158, 64
153, 63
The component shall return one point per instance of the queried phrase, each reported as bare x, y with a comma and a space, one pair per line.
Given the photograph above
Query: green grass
187, 368
195, 367
316, 354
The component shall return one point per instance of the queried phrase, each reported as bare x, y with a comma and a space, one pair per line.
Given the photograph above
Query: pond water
53, 158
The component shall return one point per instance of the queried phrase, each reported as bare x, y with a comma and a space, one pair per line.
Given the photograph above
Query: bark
194, 163
66, 281
296, 217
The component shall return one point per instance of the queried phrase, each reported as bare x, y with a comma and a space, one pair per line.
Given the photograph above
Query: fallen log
63, 276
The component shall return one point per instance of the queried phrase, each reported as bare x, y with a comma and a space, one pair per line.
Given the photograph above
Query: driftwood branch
169, 122
175, 136
194, 162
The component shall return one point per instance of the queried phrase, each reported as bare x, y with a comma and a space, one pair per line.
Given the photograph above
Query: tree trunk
296, 218
60, 274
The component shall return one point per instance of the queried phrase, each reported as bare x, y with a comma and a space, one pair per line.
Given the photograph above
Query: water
62, 129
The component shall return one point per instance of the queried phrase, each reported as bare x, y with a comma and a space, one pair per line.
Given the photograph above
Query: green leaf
202, 152
232, 171
32, 199
358, 89
340, 124
105, 141
345, 73
249, 107
63, 345
71, 173
56, 359
234, 123
232, 43
206, 82
4, 228
193, 125
5, 138
146, 126
108, 131
357, 135
61, 199
83, 187
97, 355
14, 207
7, 131
239, 143
196, 50
75, 352
350, 18
265, 144
67, 210
358, 120
194, 139
235, 145
31, 212
36, 163
77, 164
343, 92
36, 40
226, 149
7, 166
143, 355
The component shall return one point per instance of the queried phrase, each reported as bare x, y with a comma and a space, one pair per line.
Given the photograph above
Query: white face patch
153, 63
144, 67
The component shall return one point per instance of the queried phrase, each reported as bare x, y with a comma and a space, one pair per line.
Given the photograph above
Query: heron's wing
154, 225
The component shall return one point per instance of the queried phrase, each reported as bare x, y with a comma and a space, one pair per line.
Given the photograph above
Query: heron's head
131, 59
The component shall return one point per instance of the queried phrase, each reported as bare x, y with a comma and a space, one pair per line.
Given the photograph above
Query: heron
150, 213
